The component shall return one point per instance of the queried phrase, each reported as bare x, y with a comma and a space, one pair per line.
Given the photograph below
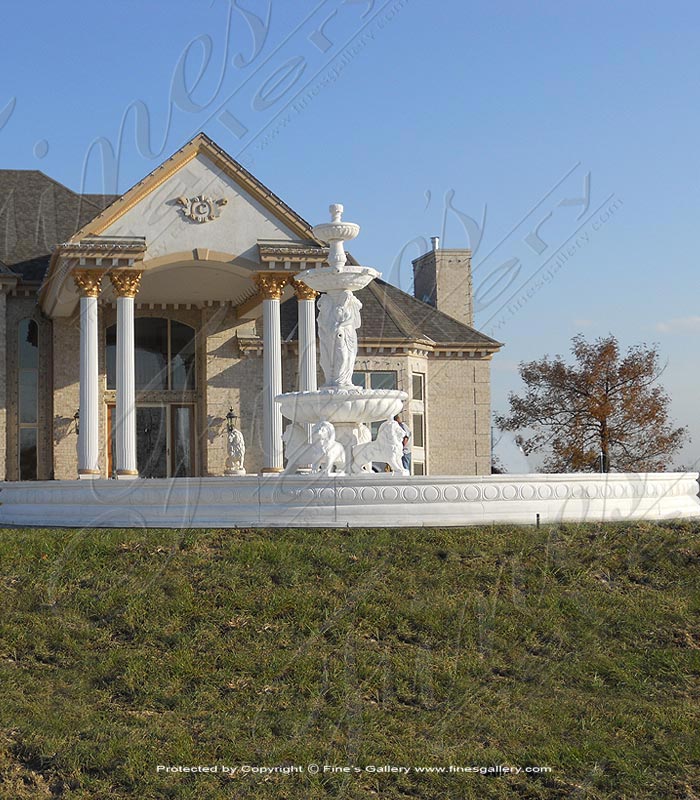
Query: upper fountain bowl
336, 231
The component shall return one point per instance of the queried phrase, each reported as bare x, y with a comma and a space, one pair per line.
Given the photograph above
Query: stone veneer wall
459, 416
233, 379
66, 396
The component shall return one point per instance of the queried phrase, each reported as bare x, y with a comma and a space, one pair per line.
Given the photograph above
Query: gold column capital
302, 291
88, 281
270, 284
126, 282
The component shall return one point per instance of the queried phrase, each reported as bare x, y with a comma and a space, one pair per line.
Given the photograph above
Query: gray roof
36, 213
390, 313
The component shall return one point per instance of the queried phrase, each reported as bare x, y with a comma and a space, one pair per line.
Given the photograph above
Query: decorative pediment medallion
201, 208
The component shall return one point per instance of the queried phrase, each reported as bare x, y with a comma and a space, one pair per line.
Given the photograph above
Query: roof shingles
36, 213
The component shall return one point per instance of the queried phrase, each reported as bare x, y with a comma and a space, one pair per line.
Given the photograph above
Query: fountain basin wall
373, 500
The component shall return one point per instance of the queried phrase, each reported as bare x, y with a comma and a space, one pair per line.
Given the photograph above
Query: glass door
152, 441
165, 444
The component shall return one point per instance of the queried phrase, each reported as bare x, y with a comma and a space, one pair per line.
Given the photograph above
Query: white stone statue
387, 447
235, 453
338, 321
324, 454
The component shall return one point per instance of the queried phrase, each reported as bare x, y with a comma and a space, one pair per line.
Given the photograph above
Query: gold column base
271, 470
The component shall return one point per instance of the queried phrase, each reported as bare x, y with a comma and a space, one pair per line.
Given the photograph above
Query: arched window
28, 395
164, 351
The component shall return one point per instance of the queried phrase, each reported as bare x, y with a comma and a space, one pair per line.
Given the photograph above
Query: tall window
417, 386
28, 393
165, 354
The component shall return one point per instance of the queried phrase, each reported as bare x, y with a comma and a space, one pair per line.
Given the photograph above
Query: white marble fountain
337, 486
339, 410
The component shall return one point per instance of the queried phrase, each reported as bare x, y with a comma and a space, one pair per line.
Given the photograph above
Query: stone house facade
175, 274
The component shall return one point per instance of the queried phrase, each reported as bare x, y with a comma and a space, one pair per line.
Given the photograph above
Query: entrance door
164, 440
152, 441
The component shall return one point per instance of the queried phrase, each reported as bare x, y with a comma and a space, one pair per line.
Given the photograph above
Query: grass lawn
575, 648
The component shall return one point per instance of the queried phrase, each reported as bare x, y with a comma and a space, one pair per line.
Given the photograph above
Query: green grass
574, 647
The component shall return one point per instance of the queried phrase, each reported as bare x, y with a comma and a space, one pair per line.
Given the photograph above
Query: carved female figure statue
338, 321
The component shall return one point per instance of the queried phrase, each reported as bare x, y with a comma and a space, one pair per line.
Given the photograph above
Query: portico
120, 286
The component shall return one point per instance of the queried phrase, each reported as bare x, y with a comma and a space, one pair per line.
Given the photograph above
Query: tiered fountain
347, 407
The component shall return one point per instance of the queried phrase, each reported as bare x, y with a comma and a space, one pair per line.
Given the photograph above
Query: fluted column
270, 286
306, 306
126, 284
88, 282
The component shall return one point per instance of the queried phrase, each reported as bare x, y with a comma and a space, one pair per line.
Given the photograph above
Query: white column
270, 286
306, 307
88, 282
126, 284
306, 340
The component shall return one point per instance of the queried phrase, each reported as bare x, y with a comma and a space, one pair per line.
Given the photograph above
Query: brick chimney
443, 278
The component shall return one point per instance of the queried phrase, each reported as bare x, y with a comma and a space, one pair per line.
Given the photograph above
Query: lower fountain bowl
338, 406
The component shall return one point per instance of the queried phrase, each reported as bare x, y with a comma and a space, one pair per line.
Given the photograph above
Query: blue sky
474, 121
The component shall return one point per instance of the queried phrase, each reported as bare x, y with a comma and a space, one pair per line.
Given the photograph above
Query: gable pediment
198, 206
200, 197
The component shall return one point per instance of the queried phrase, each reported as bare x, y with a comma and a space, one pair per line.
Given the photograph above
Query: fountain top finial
336, 210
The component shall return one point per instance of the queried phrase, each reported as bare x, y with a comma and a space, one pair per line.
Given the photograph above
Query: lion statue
324, 453
387, 447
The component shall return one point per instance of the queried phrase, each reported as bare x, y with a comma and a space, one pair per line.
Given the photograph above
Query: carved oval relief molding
201, 208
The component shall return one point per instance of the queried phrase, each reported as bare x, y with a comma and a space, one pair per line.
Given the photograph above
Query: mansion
132, 326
